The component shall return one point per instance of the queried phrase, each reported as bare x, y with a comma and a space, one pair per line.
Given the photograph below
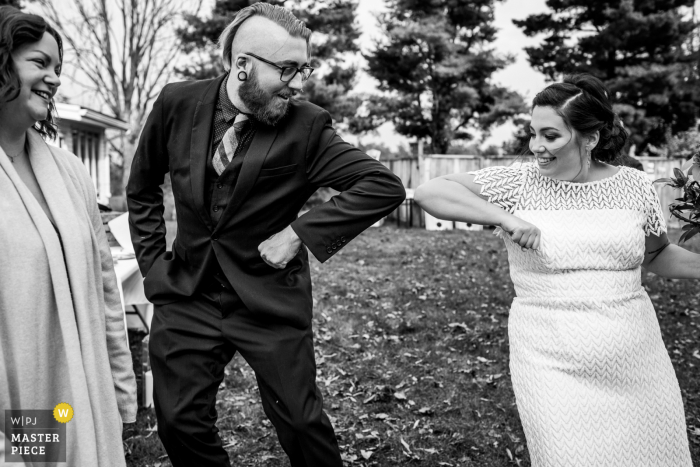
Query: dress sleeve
500, 185
655, 223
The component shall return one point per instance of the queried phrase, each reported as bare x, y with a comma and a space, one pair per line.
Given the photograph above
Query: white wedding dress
592, 379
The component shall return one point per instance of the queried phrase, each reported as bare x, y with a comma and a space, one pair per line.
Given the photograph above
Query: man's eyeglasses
287, 73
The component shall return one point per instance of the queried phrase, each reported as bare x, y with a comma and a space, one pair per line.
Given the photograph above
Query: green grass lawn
412, 352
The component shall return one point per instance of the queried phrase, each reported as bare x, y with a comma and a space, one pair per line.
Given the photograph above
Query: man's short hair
277, 14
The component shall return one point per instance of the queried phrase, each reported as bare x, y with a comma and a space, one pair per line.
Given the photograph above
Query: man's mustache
288, 94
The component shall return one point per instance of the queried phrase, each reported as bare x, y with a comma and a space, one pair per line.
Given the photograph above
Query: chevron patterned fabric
592, 378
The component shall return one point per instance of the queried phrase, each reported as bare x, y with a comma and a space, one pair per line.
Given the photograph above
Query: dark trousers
192, 341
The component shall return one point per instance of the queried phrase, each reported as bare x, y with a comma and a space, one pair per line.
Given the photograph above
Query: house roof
77, 113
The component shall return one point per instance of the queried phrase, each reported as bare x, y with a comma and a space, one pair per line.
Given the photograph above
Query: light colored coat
62, 336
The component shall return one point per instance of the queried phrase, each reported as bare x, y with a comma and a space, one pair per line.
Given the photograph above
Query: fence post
423, 164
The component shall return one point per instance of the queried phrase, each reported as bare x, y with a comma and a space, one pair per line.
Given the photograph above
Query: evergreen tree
435, 65
334, 40
642, 49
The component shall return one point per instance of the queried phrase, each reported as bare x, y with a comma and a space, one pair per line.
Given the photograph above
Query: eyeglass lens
288, 73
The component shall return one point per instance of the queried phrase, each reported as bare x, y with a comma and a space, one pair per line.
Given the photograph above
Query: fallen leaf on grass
366, 454
400, 395
459, 326
330, 379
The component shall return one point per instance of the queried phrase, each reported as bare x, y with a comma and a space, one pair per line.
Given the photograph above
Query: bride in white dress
592, 379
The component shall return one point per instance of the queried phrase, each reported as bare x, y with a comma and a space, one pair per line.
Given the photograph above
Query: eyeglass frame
298, 70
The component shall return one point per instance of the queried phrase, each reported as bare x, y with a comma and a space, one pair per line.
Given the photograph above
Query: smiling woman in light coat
62, 336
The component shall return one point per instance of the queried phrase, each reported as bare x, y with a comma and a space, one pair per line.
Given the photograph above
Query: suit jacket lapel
252, 163
200, 143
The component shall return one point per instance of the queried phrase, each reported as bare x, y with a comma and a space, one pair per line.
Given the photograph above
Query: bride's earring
588, 156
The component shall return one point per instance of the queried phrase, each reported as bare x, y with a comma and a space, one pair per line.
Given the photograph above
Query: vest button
215, 208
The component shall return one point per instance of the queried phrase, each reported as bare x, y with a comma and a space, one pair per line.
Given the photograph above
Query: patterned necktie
229, 143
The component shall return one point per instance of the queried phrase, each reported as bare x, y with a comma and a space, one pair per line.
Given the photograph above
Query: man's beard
264, 107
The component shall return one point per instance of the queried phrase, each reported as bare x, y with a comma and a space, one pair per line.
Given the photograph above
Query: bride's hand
521, 232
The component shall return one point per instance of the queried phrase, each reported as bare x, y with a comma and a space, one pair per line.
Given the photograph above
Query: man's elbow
399, 190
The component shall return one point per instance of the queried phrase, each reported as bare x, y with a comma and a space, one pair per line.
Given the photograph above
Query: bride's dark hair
583, 102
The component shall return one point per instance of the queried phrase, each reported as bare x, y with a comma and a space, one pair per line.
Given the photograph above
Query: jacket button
335, 247
215, 237
342, 239
215, 208
219, 185
329, 250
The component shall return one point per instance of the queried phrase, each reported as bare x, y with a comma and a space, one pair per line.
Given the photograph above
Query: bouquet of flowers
687, 207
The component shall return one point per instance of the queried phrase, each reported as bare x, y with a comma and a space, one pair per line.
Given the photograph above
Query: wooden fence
412, 175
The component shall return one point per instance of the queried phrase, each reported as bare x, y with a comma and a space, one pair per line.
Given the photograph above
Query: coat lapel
200, 143
252, 163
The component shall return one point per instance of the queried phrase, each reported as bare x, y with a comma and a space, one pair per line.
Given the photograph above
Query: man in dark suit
243, 157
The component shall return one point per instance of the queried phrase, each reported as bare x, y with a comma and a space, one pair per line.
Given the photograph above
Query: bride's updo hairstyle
583, 102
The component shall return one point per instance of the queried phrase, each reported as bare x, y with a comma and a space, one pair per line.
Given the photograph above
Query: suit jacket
283, 167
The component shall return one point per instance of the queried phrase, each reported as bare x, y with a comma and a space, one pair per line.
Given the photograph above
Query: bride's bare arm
455, 197
671, 261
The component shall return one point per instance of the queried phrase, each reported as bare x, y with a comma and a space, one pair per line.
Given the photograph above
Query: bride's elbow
421, 194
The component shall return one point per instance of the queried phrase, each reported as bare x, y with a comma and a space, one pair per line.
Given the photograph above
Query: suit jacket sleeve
368, 191
144, 195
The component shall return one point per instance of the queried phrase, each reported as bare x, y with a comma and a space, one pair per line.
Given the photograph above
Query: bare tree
123, 51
